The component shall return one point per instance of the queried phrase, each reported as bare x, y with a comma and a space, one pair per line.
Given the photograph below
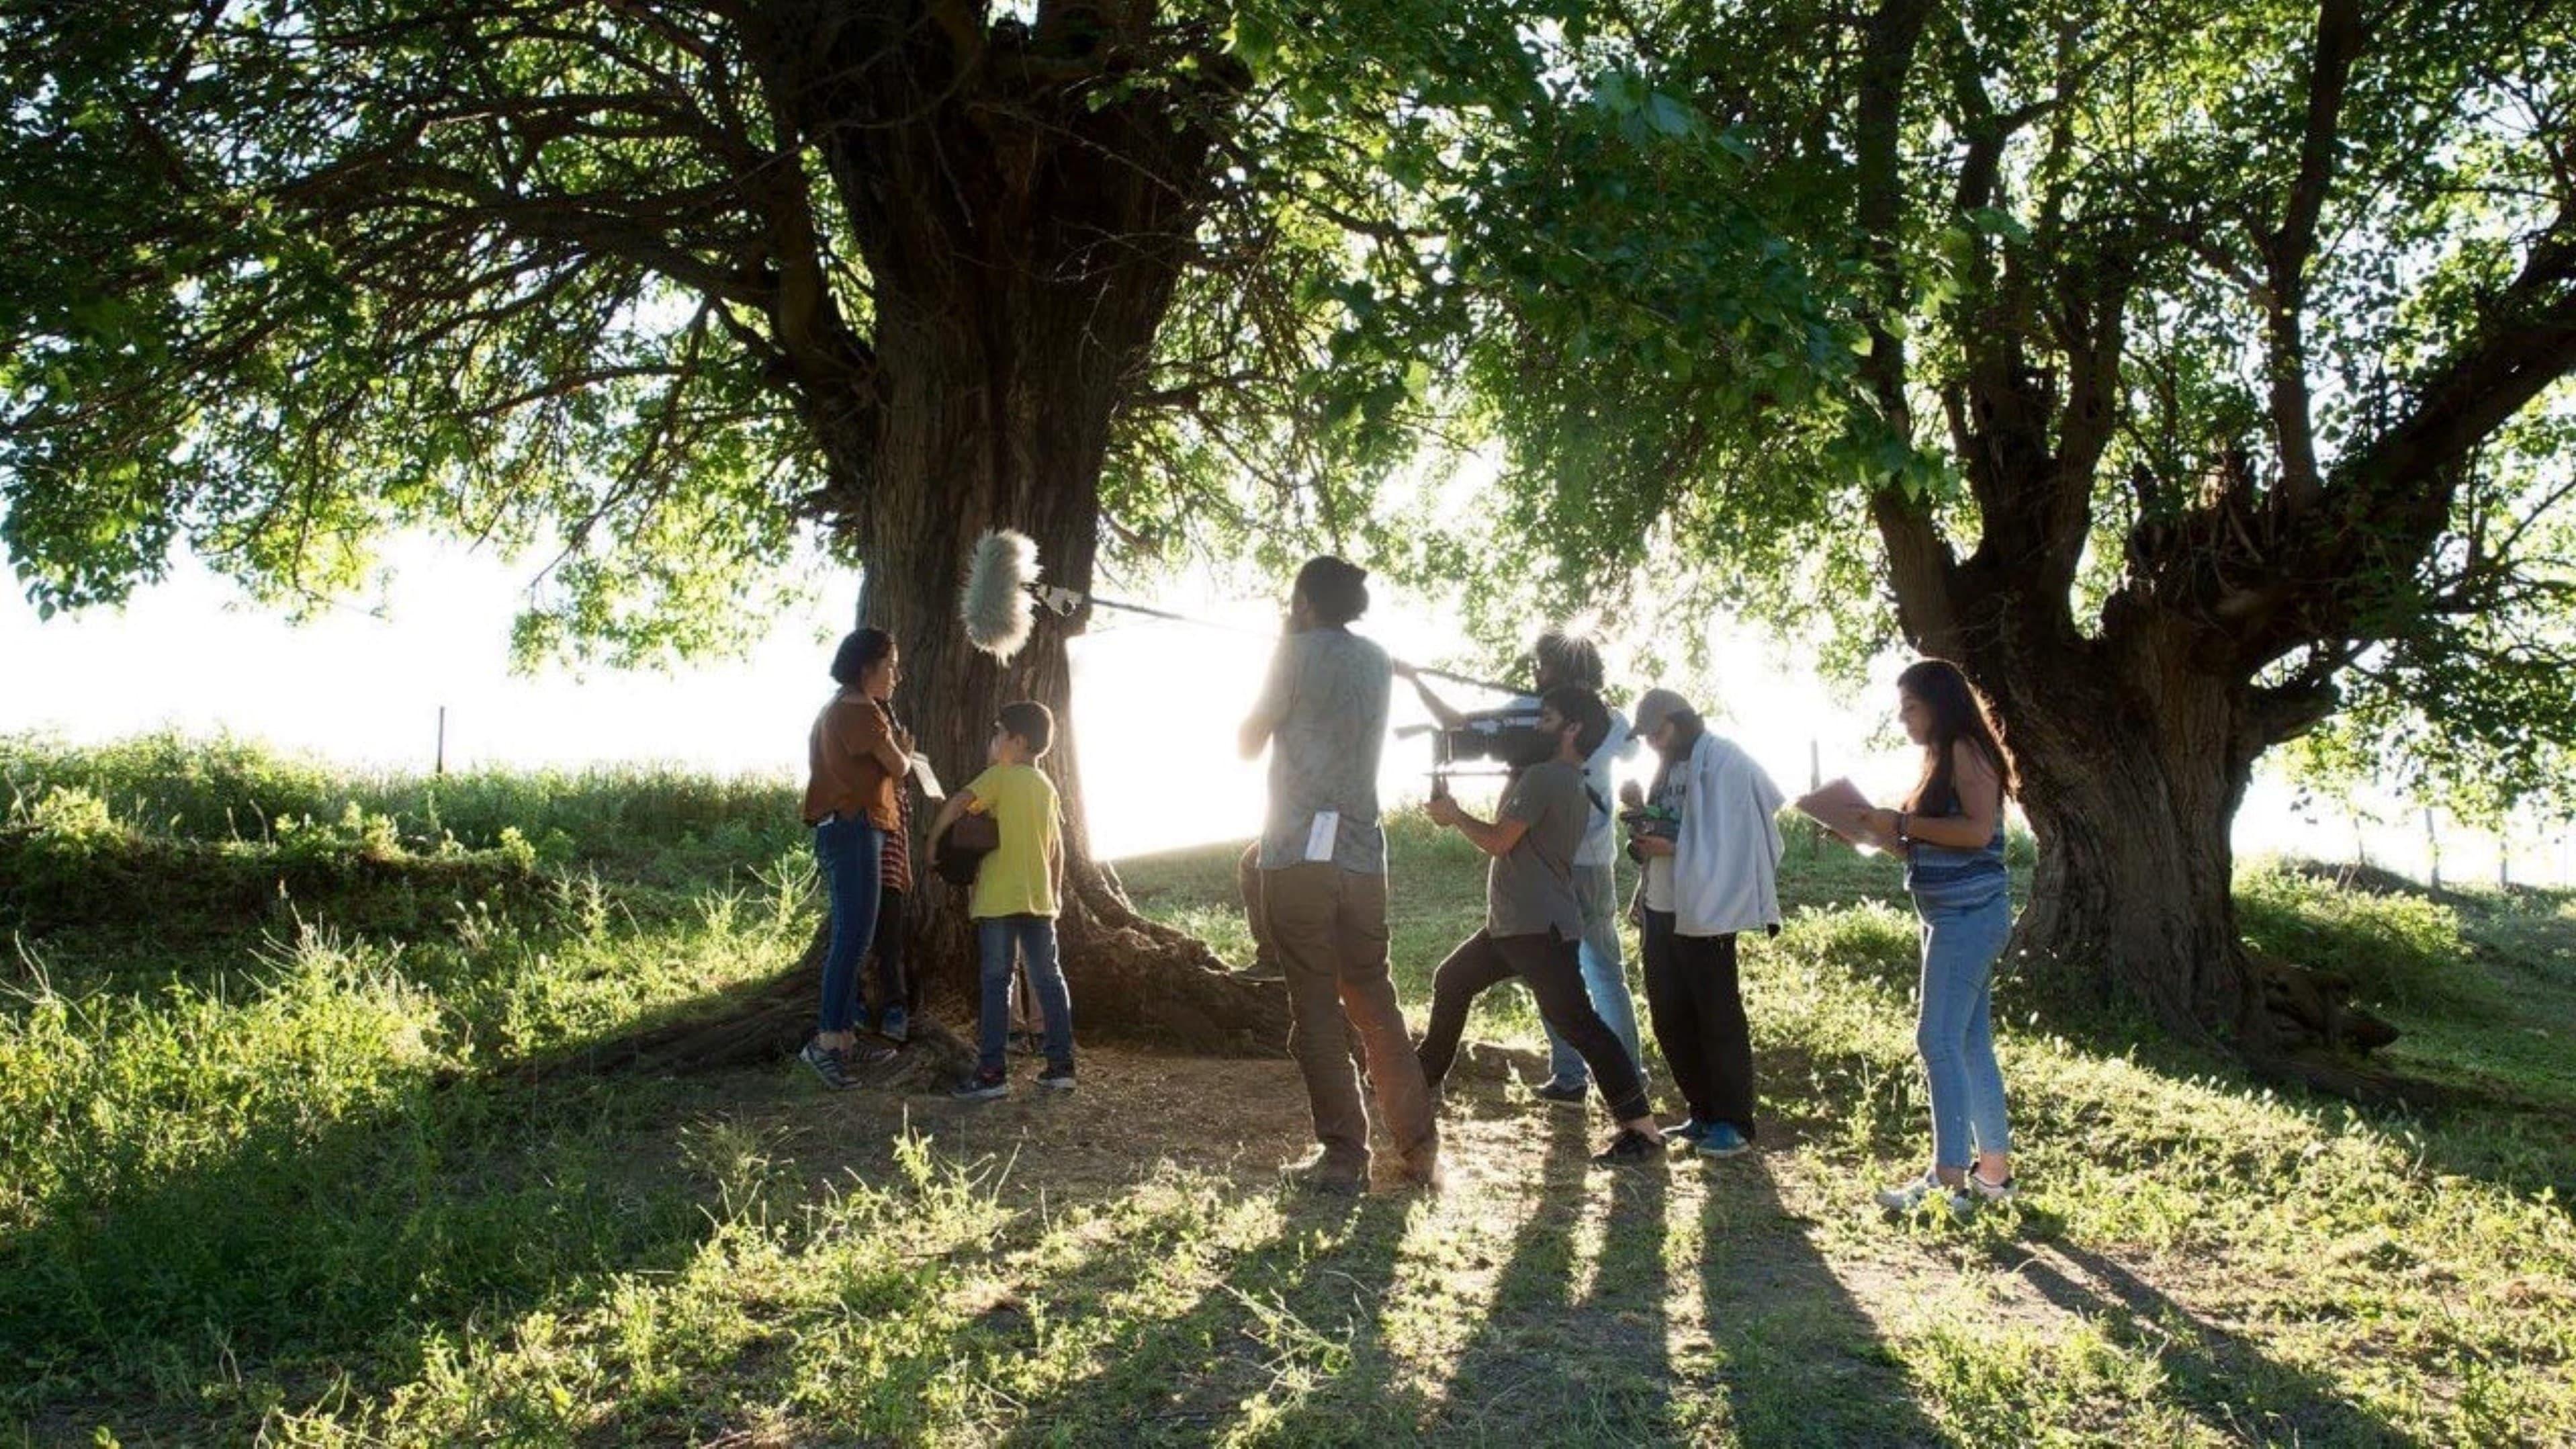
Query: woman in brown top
857, 756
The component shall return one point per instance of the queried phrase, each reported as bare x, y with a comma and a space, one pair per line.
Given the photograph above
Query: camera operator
1712, 855
1567, 659
1532, 924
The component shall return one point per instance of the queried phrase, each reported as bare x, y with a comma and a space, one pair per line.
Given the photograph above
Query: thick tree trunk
2131, 771
1022, 227
2132, 764
1007, 348
1127, 973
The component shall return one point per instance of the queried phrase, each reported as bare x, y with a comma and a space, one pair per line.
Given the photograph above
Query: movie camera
1506, 739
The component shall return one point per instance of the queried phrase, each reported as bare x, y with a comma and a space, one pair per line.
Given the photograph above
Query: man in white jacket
1717, 874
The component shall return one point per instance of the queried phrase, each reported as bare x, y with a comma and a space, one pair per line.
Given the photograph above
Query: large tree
2204, 367
660, 288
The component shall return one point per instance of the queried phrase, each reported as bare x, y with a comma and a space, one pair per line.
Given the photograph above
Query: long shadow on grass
1798, 1360
2229, 1383
1293, 1318
1538, 1363
301, 1252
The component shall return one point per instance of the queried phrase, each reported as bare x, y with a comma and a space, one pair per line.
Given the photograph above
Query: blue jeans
851, 852
1605, 977
1963, 932
1035, 938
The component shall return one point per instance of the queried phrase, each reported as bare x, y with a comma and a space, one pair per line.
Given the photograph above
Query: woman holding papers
1710, 875
1951, 831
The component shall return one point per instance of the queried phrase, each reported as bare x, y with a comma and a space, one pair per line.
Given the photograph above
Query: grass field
255, 1185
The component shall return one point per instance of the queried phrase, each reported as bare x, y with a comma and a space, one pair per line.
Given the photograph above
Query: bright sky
366, 690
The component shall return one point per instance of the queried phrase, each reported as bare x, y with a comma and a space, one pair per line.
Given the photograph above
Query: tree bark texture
1022, 241
2131, 767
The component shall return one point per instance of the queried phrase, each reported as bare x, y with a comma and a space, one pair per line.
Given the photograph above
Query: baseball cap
1654, 707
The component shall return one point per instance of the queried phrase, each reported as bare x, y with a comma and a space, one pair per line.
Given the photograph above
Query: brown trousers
1329, 927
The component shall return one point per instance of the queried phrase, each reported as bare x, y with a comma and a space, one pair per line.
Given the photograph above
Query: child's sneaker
1057, 1078
896, 1027
1631, 1148
827, 1064
1720, 1139
981, 1088
1985, 1191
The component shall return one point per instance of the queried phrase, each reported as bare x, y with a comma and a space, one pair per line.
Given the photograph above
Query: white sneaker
1986, 1191
1906, 1197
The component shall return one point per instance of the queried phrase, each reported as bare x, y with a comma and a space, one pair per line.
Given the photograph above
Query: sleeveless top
1951, 877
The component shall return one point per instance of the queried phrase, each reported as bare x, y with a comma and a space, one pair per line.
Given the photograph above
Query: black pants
1548, 966
895, 986
1697, 1003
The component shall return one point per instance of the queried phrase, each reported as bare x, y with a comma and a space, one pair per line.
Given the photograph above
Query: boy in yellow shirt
1017, 889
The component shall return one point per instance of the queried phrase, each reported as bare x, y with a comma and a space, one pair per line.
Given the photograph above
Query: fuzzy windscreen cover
996, 604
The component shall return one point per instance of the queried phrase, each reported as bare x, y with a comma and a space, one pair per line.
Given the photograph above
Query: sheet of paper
1838, 805
1320, 836
928, 779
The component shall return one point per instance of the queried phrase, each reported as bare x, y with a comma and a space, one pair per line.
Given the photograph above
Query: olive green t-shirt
1530, 889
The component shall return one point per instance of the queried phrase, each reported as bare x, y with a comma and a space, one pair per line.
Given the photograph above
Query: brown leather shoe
1322, 1175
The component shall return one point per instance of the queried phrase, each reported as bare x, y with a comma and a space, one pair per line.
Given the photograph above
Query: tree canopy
2201, 369
2260, 314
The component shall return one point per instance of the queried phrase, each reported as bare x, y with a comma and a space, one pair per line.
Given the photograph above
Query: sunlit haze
1155, 703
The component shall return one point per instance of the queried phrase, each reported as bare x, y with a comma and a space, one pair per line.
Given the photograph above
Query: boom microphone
1002, 584
999, 583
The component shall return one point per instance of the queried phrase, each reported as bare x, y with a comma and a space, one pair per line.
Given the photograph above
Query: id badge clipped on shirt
1323, 834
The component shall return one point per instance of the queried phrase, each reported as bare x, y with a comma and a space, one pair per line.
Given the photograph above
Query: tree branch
1920, 561
2339, 40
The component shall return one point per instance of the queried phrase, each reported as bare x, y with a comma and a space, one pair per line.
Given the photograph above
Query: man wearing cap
1713, 875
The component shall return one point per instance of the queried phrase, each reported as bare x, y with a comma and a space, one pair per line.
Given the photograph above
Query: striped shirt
897, 872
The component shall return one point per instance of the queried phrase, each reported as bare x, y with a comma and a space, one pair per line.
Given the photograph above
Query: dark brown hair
1568, 659
1032, 722
860, 651
1336, 590
1582, 709
1958, 713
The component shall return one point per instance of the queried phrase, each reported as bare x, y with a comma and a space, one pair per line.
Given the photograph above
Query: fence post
1815, 782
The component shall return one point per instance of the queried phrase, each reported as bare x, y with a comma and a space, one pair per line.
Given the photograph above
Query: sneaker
1687, 1134
1631, 1148
896, 1027
1057, 1078
1722, 1140
827, 1064
1563, 1094
1907, 1196
981, 1088
1985, 1191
